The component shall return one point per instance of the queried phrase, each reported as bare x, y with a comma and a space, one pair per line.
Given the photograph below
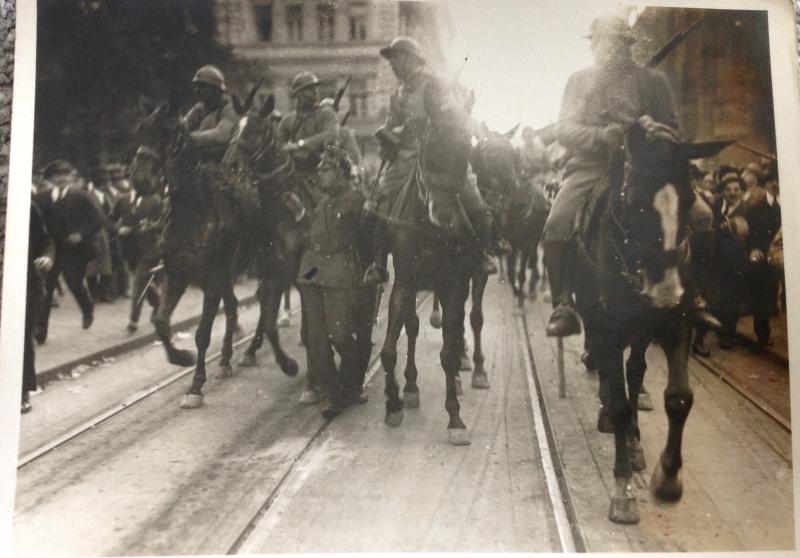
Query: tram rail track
137, 397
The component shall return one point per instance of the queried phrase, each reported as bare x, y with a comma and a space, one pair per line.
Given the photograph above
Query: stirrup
564, 321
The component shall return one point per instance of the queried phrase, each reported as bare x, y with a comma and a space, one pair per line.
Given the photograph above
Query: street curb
45, 376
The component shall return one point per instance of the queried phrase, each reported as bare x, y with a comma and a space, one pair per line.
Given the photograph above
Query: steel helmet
302, 81
210, 75
409, 45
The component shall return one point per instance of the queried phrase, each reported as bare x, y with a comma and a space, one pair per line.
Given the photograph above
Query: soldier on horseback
400, 138
210, 123
598, 103
303, 134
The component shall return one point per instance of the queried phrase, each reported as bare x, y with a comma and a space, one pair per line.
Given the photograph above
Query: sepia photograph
313, 276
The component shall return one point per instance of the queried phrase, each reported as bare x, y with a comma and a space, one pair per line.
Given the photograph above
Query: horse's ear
248, 103
704, 149
237, 105
510, 134
470, 102
268, 106
174, 101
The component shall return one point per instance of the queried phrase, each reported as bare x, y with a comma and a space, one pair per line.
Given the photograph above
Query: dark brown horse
634, 247
439, 257
195, 249
250, 161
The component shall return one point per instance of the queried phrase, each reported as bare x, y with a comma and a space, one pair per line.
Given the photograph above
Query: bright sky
520, 54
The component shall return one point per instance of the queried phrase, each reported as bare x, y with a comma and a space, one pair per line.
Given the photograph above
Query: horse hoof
411, 399
459, 390
458, 436
436, 320
638, 462
132, 327
480, 380
284, 321
182, 358
191, 401
225, 371
465, 363
624, 511
645, 403
604, 423
247, 360
666, 488
624, 508
394, 419
290, 368
310, 396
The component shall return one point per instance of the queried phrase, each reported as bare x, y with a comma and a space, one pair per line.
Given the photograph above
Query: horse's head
656, 196
252, 147
496, 163
447, 145
158, 136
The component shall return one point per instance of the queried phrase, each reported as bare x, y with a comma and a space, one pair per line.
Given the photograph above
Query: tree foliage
101, 64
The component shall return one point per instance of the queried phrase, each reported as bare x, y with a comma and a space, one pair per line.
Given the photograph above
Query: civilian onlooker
764, 219
754, 190
75, 219
41, 255
100, 272
730, 260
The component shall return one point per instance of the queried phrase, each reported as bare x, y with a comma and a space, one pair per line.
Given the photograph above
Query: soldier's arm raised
571, 132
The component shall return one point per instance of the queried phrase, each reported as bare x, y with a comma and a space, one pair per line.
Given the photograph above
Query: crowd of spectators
743, 253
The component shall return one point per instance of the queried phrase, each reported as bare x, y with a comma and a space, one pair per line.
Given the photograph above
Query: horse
431, 251
196, 250
251, 156
633, 246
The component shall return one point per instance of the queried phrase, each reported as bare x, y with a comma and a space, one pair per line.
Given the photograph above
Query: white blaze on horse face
240, 128
666, 293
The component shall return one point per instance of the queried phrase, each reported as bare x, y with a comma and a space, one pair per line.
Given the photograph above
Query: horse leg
635, 367
480, 380
624, 508
202, 337
436, 313
231, 306
285, 319
665, 483
450, 356
637, 363
397, 307
249, 356
410, 390
173, 291
272, 304
511, 259
521, 276
311, 391
533, 264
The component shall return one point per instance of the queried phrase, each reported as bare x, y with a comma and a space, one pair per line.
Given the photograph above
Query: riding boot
564, 320
376, 273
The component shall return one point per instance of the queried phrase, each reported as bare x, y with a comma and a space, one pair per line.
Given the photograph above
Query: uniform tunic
214, 130
317, 128
593, 99
338, 305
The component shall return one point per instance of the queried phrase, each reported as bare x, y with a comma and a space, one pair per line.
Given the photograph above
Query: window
326, 18
264, 20
358, 21
359, 98
294, 23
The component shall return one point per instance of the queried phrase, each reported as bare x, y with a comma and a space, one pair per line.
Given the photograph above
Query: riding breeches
574, 192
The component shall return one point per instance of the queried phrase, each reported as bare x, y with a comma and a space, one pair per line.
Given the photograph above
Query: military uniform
338, 304
314, 128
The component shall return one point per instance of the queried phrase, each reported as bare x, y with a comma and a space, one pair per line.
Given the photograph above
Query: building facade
720, 74
335, 39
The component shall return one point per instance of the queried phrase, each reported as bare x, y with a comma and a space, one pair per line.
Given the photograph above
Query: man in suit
75, 219
41, 254
764, 219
